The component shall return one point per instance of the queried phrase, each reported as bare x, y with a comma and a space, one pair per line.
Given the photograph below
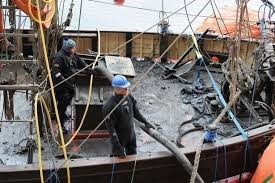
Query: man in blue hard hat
64, 64
120, 122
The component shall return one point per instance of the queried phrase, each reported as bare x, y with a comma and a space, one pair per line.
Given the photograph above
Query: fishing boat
209, 94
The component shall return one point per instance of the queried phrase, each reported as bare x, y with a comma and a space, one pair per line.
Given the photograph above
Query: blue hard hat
68, 44
120, 81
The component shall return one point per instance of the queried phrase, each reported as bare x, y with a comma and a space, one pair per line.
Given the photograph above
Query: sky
120, 18
108, 17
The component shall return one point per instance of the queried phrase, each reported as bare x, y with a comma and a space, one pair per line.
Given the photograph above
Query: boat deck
159, 100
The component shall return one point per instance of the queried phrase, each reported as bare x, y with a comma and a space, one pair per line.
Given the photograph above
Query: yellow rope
38, 10
87, 105
38, 139
89, 95
52, 90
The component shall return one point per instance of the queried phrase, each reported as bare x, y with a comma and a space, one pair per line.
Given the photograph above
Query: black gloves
91, 71
117, 150
148, 125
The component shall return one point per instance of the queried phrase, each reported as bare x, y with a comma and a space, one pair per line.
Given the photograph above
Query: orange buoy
265, 172
119, 2
47, 11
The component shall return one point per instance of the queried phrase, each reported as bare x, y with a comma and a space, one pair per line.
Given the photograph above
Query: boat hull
159, 167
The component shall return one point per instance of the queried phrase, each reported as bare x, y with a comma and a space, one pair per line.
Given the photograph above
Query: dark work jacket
120, 123
63, 66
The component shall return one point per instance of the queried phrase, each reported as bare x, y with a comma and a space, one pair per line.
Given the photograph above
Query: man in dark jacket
120, 122
64, 64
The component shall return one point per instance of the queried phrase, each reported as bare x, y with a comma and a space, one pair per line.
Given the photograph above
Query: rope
216, 164
172, 13
79, 21
221, 16
120, 46
52, 89
134, 86
155, 10
216, 18
197, 160
188, 16
38, 139
113, 169
38, 10
88, 100
200, 144
134, 169
62, 9
49, 146
245, 157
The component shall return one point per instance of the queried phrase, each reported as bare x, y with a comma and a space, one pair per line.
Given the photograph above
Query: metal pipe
19, 61
79, 34
18, 35
181, 157
16, 121
19, 87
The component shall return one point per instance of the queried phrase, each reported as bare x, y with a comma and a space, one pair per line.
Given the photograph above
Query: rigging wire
134, 169
216, 18
88, 101
40, 22
62, 11
134, 87
120, 46
48, 142
188, 17
113, 169
222, 19
79, 21
154, 10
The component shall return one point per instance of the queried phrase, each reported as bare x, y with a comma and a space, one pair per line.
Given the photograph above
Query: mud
159, 100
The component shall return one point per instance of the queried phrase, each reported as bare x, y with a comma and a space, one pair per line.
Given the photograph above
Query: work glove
91, 71
68, 85
148, 125
118, 151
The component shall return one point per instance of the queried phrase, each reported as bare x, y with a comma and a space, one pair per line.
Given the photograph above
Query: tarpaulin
227, 23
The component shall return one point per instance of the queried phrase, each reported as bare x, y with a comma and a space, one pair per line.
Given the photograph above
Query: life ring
47, 11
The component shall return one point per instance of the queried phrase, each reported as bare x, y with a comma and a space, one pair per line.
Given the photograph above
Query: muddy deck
161, 101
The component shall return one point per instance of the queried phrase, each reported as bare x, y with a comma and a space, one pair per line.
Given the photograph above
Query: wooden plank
102, 42
75, 34
172, 49
83, 45
122, 40
147, 45
141, 46
156, 42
